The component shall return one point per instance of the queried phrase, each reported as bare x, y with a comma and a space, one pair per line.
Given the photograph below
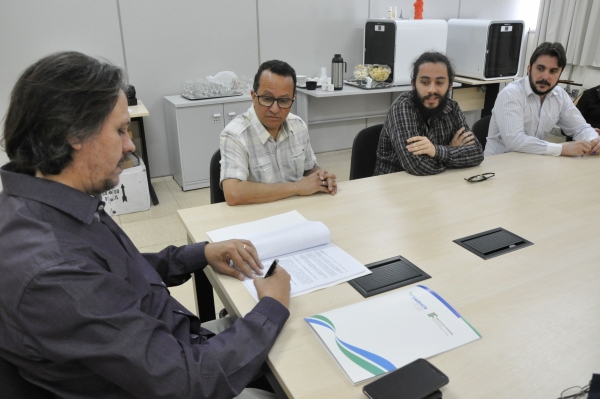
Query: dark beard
429, 114
103, 187
536, 91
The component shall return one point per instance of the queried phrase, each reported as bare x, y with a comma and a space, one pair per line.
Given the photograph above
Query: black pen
272, 268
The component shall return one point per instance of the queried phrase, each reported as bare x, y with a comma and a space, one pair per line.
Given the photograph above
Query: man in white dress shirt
527, 109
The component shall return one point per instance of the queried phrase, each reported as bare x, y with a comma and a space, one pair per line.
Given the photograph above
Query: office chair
216, 192
364, 152
480, 129
204, 291
576, 101
13, 386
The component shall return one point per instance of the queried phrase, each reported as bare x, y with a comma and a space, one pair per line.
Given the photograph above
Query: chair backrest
364, 152
480, 129
13, 386
204, 293
576, 101
216, 192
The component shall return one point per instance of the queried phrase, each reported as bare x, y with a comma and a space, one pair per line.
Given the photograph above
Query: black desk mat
388, 275
493, 243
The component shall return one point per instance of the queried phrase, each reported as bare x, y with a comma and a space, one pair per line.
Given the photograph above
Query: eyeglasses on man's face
478, 178
267, 101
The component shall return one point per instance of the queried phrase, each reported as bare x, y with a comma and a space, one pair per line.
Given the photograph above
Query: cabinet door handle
231, 114
216, 115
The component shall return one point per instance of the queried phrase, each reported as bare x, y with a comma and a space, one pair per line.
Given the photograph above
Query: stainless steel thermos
338, 67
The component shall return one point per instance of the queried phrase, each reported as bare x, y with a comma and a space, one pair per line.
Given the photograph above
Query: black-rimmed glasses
478, 178
283, 103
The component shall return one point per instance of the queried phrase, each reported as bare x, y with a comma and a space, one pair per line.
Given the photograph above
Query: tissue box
131, 194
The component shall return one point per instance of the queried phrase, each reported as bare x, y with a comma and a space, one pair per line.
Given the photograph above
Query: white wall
587, 76
166, 42
308, 33
526, 10
30, 29
432, 9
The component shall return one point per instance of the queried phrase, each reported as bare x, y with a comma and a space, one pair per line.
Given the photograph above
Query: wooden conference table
537, 308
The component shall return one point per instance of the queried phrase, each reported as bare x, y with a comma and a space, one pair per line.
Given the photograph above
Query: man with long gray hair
83, 314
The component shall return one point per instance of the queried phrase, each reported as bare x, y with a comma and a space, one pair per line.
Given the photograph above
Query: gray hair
62, 99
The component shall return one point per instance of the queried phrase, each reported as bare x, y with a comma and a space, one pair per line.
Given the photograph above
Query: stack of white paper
304, 250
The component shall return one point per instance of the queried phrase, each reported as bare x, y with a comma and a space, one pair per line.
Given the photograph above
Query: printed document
383, 333
304, 250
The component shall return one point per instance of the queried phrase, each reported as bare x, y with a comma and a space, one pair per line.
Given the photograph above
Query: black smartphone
416, 380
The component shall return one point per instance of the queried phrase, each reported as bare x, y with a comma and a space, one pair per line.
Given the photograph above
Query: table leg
279, 392
204, 297
153, 196
491, 92
205, 300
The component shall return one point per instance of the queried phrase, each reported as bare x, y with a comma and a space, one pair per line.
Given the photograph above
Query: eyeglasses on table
478, 178
575, 392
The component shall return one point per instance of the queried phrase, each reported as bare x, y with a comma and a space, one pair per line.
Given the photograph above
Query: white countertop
478, 82
353, 91
179, 102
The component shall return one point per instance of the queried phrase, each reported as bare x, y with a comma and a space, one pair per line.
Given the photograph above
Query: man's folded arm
311, 170
399, 132
238, 192
234, 176
462, 156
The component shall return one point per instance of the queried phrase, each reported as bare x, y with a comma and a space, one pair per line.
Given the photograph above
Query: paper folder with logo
303, 247
379, 335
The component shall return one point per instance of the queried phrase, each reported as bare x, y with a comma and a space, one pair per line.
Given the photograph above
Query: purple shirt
84, 315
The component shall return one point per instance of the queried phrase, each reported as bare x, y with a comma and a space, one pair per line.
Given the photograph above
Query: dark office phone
416, 380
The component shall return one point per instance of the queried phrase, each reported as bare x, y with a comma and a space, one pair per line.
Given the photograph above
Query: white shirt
249, 152
521, 123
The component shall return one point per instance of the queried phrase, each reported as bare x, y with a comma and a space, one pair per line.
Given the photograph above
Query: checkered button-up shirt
249, 152
404, 121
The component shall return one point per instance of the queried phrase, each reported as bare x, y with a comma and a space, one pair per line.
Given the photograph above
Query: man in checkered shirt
265, 152
425, 132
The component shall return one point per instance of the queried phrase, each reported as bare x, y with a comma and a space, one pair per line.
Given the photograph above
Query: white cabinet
334, 118
193, 129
